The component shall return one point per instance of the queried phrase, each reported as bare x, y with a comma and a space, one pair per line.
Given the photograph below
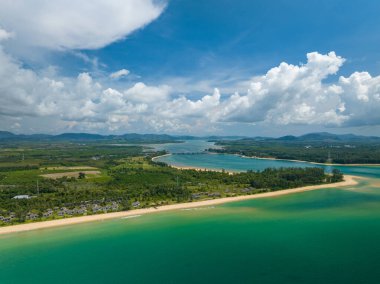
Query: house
31, 216
214, 194
136, 204
48, 213
21, 197
195, 196
96, 208
114, 206
63, 211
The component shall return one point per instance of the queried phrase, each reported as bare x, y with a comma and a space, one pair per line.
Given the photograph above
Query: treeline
18, 168
340, 153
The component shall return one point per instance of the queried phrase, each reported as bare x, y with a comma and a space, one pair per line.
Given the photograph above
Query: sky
214, 67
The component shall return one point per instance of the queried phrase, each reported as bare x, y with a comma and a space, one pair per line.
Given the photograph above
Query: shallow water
238, 163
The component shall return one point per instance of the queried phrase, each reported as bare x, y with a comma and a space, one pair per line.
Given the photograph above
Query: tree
336, 175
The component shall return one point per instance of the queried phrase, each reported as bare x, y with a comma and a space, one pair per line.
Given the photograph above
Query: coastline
314, 163
202, 169
272, 159
348, 181
193, 168
155, 158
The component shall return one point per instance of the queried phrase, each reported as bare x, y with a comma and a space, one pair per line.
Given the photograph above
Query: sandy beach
348, 181
202, 169
155, 158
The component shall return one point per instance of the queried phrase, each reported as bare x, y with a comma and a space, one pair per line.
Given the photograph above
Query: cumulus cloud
119, 74
70, 24
291, 94
148, 94
4, 35
287, 94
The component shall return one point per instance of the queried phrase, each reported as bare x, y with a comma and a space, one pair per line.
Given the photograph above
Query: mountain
318, 137
6, 135
310, 139
165, 138
130, 137
329, 137
78, 136
147, 137
287, 138
223, 137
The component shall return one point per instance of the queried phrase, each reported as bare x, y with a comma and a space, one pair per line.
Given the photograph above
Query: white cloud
285, 95
119, 74
290, 94
147, 94
71, 24
4, 35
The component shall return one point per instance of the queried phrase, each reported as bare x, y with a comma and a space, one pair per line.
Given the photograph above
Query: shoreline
308, 162
203, 169
155, 158
272, 159
194, 168
348, 181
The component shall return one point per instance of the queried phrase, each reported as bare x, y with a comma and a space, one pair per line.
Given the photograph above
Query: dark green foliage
336, 176
340, 152
18, 168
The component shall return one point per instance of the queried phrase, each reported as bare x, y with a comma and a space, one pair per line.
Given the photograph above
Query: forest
342, 152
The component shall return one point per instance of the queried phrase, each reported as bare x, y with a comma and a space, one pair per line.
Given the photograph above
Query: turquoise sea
324, 236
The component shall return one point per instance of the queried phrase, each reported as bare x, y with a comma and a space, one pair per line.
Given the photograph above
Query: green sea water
323, 236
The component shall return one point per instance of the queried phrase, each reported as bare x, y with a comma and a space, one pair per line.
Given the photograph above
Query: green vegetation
340, 152
126, 178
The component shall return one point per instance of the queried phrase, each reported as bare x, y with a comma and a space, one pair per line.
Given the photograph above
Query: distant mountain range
152, 138
319, 137
129, 137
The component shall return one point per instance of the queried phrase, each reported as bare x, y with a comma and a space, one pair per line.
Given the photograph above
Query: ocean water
324, 236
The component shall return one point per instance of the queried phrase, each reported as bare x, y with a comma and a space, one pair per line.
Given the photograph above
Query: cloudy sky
263, 67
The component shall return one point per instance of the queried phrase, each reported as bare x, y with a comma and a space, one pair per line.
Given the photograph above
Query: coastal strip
308, 162
193, 168
348, 181
157, 157
267, 158
203, 169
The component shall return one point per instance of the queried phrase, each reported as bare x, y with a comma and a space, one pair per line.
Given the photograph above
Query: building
136, 204
22, 197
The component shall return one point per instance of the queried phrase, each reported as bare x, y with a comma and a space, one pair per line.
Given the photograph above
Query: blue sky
195, 38
185, 61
